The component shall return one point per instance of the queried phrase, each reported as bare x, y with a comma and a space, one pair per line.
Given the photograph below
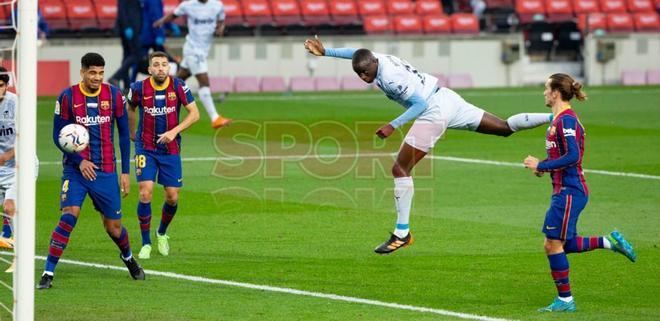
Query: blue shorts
561, 218
104, 192
168, 168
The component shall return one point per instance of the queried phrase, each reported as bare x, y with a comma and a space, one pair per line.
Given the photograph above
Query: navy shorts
104, 192
561, 218
148, 164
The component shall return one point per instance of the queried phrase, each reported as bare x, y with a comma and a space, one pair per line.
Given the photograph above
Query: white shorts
446, 109
195, 63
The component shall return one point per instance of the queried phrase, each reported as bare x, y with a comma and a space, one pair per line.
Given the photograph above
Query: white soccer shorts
195, 63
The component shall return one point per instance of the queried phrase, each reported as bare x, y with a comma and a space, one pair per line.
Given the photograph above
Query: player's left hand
166, 137
124, 185
315, 46
531, 162
385, 131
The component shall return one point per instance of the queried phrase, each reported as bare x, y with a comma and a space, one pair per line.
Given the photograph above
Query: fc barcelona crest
105, 104
171, 96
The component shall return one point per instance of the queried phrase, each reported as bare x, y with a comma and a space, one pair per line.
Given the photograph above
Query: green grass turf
313, 226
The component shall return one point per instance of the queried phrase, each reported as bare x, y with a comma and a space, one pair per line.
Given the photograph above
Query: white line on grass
444, 158
269, 288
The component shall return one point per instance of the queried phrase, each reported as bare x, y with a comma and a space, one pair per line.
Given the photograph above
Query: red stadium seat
221, 84
499, 3
81, 14
301, 83
464, 23
272, 84
407, 24
106, 11
377, 24
608, 6
646, 21
326, 83
529, 10
233, 13
437, 23
285, 12
54, 12
586, 6
426, 7
619, 22
344, 12
315, 12
169, 6
397, 7
371, 7
641, 6
353, 83
559, 10
246, 84
593, 21
257, 12
5, 17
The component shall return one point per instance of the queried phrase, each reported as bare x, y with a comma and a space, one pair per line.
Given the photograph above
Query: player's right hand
88, 170
314, 46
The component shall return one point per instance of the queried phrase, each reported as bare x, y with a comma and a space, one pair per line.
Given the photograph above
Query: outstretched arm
315, 47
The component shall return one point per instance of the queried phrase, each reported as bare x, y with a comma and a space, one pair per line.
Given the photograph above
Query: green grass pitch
312, 224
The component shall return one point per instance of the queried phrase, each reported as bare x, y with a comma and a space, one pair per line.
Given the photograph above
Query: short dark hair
157, 54
362, 57
4, 75
92, 59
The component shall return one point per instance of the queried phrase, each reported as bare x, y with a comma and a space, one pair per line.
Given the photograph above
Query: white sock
566, 299
528, 120
207, 101
403, 195
606, 243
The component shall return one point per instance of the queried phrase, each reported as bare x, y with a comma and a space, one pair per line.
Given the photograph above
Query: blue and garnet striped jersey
98, 112
565, 147
160, 108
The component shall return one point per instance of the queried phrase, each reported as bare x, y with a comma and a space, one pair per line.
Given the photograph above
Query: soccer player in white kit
433, 109
8, 103
206, 18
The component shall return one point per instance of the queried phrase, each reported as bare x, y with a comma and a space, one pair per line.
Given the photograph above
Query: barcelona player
565, 148
97, 106
158, 144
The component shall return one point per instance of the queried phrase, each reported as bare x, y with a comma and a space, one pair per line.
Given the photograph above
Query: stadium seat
233, 13
54, 12
400, 7
221, 84
653, 77
301, 83
641, 6
169, 6
633, 78
5, 17
460, 81
499, 3
646, 21
530, 10
353, 83
344, 12
370, 7
609, 6
257, 12
377, 24
272, 84
436, 23
315, 12
464, 23
586, 6
619, 22
593, 21
246, 84
106, 11
81, 14
326, 83
426, 7
407, 24
559, 10
285, 12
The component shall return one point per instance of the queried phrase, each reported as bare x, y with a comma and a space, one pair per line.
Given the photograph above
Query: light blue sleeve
418, 106
346, 53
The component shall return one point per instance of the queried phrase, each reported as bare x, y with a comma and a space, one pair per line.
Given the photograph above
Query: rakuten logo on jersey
550, 144
92, 121
159, 111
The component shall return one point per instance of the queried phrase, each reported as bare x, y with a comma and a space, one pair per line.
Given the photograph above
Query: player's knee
113, 228
145, 196
73, 210
172, 198
552, 246
400, 171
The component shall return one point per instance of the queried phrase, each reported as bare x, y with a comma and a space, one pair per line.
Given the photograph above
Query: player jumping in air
206, 18
158, 143
97, 106
565, 147
433, 108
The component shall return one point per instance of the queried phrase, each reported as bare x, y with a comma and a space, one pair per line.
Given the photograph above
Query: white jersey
8, 132
400, 81
203, 19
